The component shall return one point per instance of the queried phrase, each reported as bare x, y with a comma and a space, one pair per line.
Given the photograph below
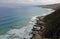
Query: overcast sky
30, 1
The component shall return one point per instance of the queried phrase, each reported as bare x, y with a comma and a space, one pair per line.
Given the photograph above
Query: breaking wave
21, 33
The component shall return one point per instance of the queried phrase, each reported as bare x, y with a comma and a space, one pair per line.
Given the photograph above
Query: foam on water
21, 33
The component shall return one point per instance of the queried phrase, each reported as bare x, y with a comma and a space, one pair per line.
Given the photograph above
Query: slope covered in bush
52, 25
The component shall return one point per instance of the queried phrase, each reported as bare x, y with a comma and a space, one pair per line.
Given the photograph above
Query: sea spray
21, 33
25, 31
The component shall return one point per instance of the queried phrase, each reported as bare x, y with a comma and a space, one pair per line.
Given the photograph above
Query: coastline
47, 27
39, 27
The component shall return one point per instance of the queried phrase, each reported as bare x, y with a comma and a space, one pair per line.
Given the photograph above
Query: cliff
47, 27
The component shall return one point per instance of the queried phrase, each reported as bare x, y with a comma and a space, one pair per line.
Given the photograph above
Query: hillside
53, 24
50, 6
49, 26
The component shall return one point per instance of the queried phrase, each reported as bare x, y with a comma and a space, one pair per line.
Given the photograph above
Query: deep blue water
11, 18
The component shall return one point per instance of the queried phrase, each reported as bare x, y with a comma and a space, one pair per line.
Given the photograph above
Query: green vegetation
52, 25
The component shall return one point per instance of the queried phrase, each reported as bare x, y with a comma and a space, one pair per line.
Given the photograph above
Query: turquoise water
12, 18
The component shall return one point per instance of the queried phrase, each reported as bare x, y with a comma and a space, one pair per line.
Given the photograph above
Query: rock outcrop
47, 27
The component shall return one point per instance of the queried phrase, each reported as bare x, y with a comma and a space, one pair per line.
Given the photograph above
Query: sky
37, 2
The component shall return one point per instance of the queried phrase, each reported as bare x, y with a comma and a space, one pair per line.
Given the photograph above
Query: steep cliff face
52, 24
49, 26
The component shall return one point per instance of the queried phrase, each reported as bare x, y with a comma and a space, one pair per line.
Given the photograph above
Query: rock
47, 27
24, 38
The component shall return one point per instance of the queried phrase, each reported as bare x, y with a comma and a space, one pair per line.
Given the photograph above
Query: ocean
15, 23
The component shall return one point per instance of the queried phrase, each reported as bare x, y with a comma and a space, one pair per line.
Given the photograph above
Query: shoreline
37, 28
47, 27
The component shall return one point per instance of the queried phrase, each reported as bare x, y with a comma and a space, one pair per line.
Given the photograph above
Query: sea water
16, 23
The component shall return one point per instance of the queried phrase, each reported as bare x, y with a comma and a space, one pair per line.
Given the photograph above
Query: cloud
49, 1
44, 2
14, 1
31, 1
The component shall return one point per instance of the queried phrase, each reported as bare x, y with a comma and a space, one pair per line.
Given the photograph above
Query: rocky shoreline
47, 27
38, 28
